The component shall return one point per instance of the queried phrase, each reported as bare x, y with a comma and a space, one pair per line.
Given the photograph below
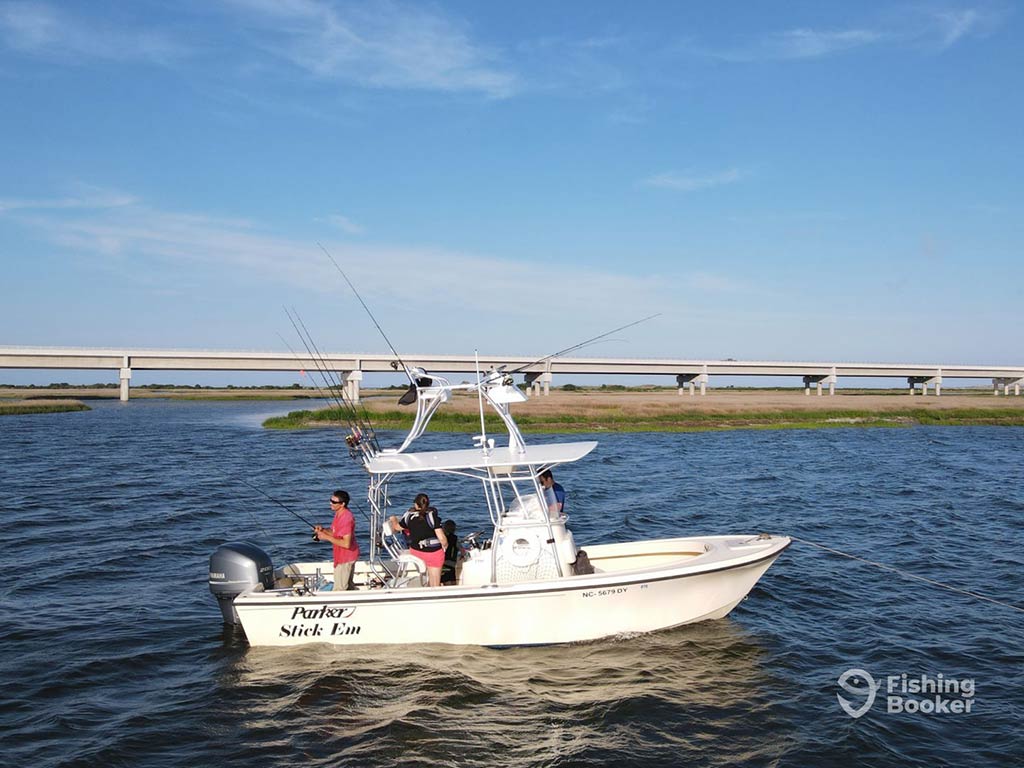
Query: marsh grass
616, 419
23, 407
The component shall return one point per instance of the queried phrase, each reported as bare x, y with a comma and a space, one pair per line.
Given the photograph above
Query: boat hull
705, 582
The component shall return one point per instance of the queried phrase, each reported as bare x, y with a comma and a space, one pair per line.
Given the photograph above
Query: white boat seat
409, 571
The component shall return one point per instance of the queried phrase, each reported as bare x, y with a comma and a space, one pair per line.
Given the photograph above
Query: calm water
114, 654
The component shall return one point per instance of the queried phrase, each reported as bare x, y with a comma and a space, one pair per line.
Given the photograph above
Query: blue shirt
559, 495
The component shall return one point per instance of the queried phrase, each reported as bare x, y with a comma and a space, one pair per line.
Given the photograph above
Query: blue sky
801, 180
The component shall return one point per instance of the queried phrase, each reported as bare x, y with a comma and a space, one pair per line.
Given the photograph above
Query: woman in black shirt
427, 539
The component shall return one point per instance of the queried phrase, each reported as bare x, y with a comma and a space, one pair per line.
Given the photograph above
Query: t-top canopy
474, 458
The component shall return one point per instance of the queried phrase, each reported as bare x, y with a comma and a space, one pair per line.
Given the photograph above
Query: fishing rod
323, 395
316, 363
574, 347
364, 425
280, 504
354, 441
368, 312
350, 440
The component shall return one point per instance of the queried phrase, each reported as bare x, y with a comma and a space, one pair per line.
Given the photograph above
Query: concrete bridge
691, 375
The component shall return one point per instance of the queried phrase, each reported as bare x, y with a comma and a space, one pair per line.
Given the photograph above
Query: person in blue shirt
553, 492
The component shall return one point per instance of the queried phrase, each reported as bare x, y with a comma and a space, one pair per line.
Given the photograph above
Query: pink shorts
432, 559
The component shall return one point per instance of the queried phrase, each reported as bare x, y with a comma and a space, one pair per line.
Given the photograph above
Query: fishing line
257, 523
902, 572
280, 504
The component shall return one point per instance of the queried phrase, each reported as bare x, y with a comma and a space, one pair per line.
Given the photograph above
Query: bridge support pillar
935, 381
819, 382
126, 377
925, 382
539, 383
691, 380
352, 379
1006, 384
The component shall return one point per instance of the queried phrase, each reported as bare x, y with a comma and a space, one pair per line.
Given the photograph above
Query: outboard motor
234, 568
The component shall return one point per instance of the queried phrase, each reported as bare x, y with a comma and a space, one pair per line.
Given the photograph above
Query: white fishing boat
528, 583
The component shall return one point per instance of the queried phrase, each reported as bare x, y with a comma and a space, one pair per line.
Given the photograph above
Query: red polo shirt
343, 525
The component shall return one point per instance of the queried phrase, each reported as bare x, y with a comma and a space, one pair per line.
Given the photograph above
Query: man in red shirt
343, 536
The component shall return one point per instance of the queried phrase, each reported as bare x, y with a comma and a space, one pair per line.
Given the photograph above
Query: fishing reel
352, 441
472, 541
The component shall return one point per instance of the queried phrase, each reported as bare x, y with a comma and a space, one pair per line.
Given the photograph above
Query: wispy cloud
376, 45
344, 223
430, 299
937, 28
920, 27
689, 182
711, 283
87, 198
791, 44
47, 30
139, 233
576, 65
630, 115
954, 25
812, 43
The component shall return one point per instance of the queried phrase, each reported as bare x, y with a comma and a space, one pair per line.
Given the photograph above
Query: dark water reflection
646, 696
114, 655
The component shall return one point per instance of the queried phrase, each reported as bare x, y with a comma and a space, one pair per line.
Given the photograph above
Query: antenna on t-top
482, 437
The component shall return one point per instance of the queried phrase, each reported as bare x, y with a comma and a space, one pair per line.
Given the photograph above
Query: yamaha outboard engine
234, 568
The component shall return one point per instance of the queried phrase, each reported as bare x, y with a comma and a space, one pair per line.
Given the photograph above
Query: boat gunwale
521, 589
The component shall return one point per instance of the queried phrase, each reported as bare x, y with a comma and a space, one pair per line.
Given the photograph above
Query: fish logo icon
859, 683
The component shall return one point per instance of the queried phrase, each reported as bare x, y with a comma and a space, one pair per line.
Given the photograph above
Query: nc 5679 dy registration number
605, 592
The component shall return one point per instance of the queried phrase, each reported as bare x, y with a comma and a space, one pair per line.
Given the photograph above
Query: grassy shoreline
24, 407
688, 421
594, 409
